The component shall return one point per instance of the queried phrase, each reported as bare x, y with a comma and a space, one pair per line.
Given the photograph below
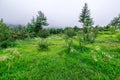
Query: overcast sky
58, 12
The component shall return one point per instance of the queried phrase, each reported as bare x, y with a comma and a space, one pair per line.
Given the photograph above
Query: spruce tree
87, 22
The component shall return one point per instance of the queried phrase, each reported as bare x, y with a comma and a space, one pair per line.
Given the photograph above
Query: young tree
115, 22
87, 22
69, 34
96, 31
31, 30
5, 35
85, 16
4, 31
40, 21
43, 44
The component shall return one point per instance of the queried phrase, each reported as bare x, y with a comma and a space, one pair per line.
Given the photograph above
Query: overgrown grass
97, 61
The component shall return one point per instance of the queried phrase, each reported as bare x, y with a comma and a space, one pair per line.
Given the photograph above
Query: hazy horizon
59, 13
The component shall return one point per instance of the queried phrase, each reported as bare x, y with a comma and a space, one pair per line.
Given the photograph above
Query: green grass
98, 61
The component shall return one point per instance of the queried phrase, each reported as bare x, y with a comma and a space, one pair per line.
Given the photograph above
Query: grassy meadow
97, 61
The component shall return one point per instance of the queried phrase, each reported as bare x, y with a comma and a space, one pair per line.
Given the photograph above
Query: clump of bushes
43, 33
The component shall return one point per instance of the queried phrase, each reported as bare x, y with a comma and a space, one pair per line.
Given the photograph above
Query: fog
59, 13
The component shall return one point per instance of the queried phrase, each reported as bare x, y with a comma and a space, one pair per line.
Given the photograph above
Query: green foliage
76, 29
43, 45
6, 44
95, 30
87, 22
40, 21
89, 35
98, 61
118, 37
85, 16
31, 30
112, 29
56, 31
43, 33
115, 21
68, 45
20, 33
69, 32
80, 40
4, 31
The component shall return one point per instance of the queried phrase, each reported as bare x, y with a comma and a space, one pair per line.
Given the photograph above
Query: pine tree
87, 22
85, 16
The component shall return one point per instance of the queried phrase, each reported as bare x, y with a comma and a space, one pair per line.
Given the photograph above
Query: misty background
59, 13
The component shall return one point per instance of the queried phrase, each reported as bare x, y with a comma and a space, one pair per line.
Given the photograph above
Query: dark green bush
6, 44
43, 33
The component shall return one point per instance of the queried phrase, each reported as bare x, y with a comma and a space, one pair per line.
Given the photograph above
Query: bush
20, 33
69, 32
6, 44
118, 37
43, 45
43, 33
80, 40
68, 45
112, 29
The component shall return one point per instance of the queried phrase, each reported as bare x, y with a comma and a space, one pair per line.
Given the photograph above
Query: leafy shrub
43, 33
80, 40
68, 45
118, 37
20, 33
69, 32
43, 45
112, 29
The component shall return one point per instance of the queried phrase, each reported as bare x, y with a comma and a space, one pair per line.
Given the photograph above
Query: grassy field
98, 61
